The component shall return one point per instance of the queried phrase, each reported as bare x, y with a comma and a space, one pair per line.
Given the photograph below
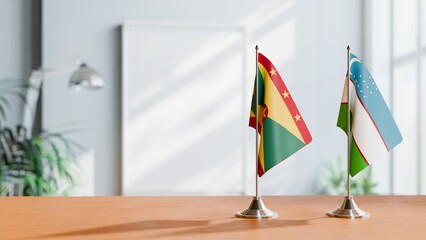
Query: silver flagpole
257, 208
348, 130
257, 121
348, 209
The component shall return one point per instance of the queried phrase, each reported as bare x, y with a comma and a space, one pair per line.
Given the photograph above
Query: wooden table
301, 217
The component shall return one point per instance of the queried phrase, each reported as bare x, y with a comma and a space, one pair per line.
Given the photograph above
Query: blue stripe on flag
369, 94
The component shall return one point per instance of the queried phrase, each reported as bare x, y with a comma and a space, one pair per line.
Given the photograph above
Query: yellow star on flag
297, 117
286, 94
273, 72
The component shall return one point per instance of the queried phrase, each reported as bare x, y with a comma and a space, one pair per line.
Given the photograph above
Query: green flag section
358, 163
281, 127
342, 118
273, 151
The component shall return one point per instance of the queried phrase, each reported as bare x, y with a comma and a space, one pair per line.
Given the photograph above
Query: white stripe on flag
364, 131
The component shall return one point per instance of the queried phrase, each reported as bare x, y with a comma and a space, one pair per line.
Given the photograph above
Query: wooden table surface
300, 217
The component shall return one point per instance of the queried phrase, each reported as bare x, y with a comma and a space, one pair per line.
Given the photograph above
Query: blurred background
172, 117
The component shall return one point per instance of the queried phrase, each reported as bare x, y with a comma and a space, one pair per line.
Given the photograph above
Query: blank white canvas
182, 109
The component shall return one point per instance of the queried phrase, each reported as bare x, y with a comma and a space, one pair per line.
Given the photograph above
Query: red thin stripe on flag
362, 104
279, 84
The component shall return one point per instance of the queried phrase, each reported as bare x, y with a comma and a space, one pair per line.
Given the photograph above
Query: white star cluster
364, 85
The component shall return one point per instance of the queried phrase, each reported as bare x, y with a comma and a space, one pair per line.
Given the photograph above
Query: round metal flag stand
257, 209
348, 209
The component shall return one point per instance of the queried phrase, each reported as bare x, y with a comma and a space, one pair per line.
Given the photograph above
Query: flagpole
257, 208
348, 126
348, 209
257, 122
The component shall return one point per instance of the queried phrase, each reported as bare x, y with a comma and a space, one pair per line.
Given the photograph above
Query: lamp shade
86, 77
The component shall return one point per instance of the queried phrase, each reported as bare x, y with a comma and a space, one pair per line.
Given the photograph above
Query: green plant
334, 180
33, 166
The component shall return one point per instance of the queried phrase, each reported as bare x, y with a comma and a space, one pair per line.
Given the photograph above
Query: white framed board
183, 94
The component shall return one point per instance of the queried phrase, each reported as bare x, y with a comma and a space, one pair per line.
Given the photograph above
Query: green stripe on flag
357, 161
342, 121
261, 93
278, 143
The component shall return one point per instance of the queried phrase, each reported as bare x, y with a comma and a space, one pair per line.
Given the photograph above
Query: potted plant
32, 164
333, 180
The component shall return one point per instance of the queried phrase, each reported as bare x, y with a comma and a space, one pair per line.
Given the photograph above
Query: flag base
257, 209
348, 209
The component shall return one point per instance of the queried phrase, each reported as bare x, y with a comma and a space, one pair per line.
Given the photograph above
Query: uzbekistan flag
281, 127
374, 131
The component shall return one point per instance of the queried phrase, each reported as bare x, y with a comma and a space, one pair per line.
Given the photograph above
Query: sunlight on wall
202, 54
283, 36
267, 12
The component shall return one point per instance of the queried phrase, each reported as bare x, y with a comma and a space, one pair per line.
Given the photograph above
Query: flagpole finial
349, 48
257, 47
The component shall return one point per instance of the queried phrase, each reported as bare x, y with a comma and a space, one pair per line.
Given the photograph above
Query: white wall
306, 39
15, 47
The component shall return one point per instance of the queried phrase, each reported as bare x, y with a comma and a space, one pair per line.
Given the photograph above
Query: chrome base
257, 209
348, 209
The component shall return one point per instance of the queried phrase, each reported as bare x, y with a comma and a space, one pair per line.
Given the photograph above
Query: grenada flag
374, 131
281, 127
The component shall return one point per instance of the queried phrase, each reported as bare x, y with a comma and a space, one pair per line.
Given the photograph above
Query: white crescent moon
353, 60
